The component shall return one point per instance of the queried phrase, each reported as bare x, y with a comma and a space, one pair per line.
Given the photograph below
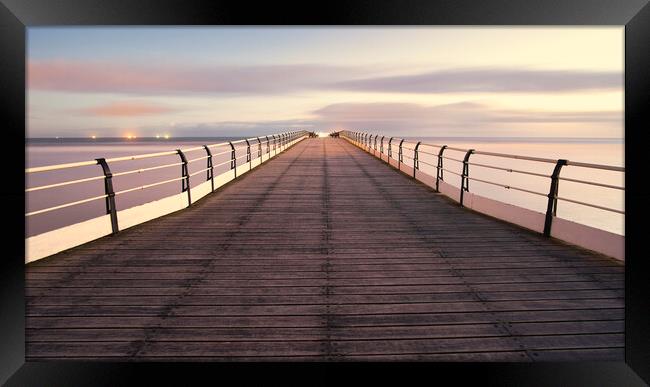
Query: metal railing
274, 145
369, 143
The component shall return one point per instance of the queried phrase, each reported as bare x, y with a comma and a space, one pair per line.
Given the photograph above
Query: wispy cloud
456, 114
488, 80
410, 119
114, 77
241, 128
125, 109
109, 77
466, 118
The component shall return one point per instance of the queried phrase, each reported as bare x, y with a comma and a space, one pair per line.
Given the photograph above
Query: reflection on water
609, 152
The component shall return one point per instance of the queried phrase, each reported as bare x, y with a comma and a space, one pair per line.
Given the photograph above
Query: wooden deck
325, 253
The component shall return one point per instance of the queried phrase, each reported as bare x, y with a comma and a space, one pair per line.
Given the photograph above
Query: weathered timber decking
325, 253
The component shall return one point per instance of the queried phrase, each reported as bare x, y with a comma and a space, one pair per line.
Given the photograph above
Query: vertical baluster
248, 155
416, 159
185, 182
110, 194
439, 171
268, 148
233, 158
464, 177
551, 207
400, 155
210, 167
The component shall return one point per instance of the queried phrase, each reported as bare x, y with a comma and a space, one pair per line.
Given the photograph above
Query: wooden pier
325, 253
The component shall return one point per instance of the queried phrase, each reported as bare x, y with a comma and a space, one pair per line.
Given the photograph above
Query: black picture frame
17, 15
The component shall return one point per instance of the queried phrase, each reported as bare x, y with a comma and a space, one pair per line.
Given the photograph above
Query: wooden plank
318, 299
594, 354
178, 334
424, 346
492, 356
567, 327
177, 321
476, 317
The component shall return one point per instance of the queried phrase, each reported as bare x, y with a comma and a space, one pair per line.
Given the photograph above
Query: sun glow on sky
222, 81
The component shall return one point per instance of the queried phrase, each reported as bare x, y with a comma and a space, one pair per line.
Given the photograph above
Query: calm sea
40, 152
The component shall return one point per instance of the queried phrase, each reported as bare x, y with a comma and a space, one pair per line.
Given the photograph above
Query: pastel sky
409, 81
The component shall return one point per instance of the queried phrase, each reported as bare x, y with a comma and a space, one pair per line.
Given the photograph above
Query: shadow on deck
325, 253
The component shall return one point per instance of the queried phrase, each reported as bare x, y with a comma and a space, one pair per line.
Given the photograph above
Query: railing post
399, 156
439, 175
248, 154
381, 146
551, 207
110, 194
268, 147
259, 149
365, 140
210, 167
464, 181
233, 158
275, 151
390, 149
416, 159
376, 141
185, 182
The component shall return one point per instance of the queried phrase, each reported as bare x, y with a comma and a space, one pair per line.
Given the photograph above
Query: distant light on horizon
93, 137
166, 137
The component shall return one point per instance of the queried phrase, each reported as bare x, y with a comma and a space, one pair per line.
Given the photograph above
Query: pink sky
491, 81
